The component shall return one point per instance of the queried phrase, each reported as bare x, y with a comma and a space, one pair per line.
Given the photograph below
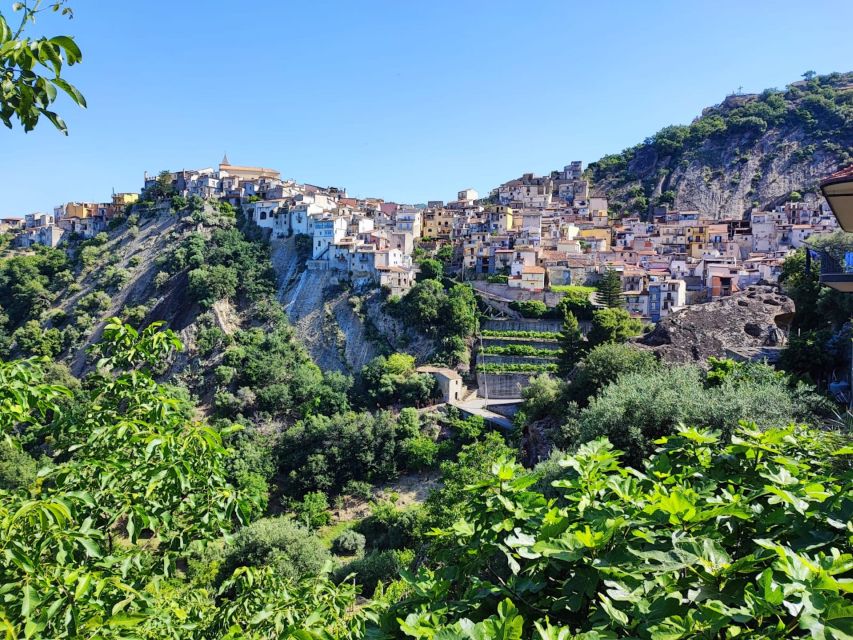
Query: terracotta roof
533, 270
844, 175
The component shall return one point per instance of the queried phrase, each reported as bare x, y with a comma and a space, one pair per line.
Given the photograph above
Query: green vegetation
430, 269
393, 380
519, 350
819, 342
736, 514
749, 524
613, 325
544, 336
609, 290
32, 69
513, 367
529, 308
449, 316
572, 344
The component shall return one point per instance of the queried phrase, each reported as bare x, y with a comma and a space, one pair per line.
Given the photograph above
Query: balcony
836, 270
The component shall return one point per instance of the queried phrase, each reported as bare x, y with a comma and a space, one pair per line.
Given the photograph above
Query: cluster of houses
83, 219
527, 238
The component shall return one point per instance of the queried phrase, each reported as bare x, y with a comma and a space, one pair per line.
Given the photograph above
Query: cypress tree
572, 343
610, 289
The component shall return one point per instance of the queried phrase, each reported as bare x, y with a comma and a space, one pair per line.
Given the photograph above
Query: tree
289, 548
313, 510
540, 394
210, 284
603, 365
445, 503
430, 269
610, 289
31, 70
572, 343
423, 303
639, 407
129, 465
809, 75
613, 325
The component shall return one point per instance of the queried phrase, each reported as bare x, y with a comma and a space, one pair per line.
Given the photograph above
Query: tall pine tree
610, 289
572, 343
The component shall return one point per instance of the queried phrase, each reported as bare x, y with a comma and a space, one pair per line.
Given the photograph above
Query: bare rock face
752, 324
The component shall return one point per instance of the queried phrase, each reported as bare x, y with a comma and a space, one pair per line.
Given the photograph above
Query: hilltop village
529, 239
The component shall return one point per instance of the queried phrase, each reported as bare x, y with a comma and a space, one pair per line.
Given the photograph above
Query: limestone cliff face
750, 150
730, 175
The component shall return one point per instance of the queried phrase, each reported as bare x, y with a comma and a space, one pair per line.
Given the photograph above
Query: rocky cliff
750, 150
752, 324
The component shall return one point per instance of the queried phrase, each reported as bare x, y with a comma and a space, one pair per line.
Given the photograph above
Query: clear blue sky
406, 100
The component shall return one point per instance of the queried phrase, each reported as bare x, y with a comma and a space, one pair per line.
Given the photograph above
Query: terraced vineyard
512, 352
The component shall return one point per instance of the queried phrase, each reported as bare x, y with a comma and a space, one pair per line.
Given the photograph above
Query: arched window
263, 215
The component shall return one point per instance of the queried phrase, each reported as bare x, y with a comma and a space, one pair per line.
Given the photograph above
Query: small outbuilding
448, 380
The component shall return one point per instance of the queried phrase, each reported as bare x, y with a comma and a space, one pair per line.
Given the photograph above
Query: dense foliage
31, 69
818, 347
704, 540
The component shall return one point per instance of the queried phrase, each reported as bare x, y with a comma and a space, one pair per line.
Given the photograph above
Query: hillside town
526, 240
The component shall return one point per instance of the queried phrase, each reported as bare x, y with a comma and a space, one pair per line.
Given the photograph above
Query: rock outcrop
752, 150
752, 324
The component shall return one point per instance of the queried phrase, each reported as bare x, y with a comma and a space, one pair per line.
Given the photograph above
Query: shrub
753, 530
358, 489
18, 469
312, 510
161, 279
286, 546
348, 543
94, 303
210, 284
640, 407
210, 339
613, 325
603, 365
376, 567
529, 308
135, 315
419, 453
388, 527
224, 375
430, 269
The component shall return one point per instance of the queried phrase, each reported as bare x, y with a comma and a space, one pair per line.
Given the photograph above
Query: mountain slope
750, 150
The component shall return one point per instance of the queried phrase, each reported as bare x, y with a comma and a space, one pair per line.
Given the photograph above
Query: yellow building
501, 218
596, 234
80, 210
124, 199
437, 223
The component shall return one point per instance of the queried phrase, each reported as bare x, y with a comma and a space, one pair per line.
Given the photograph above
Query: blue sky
402, 99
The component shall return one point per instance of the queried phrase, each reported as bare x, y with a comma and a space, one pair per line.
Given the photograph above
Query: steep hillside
750, 150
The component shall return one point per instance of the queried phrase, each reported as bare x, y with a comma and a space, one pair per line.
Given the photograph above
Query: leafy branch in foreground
31, 69
750, 539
